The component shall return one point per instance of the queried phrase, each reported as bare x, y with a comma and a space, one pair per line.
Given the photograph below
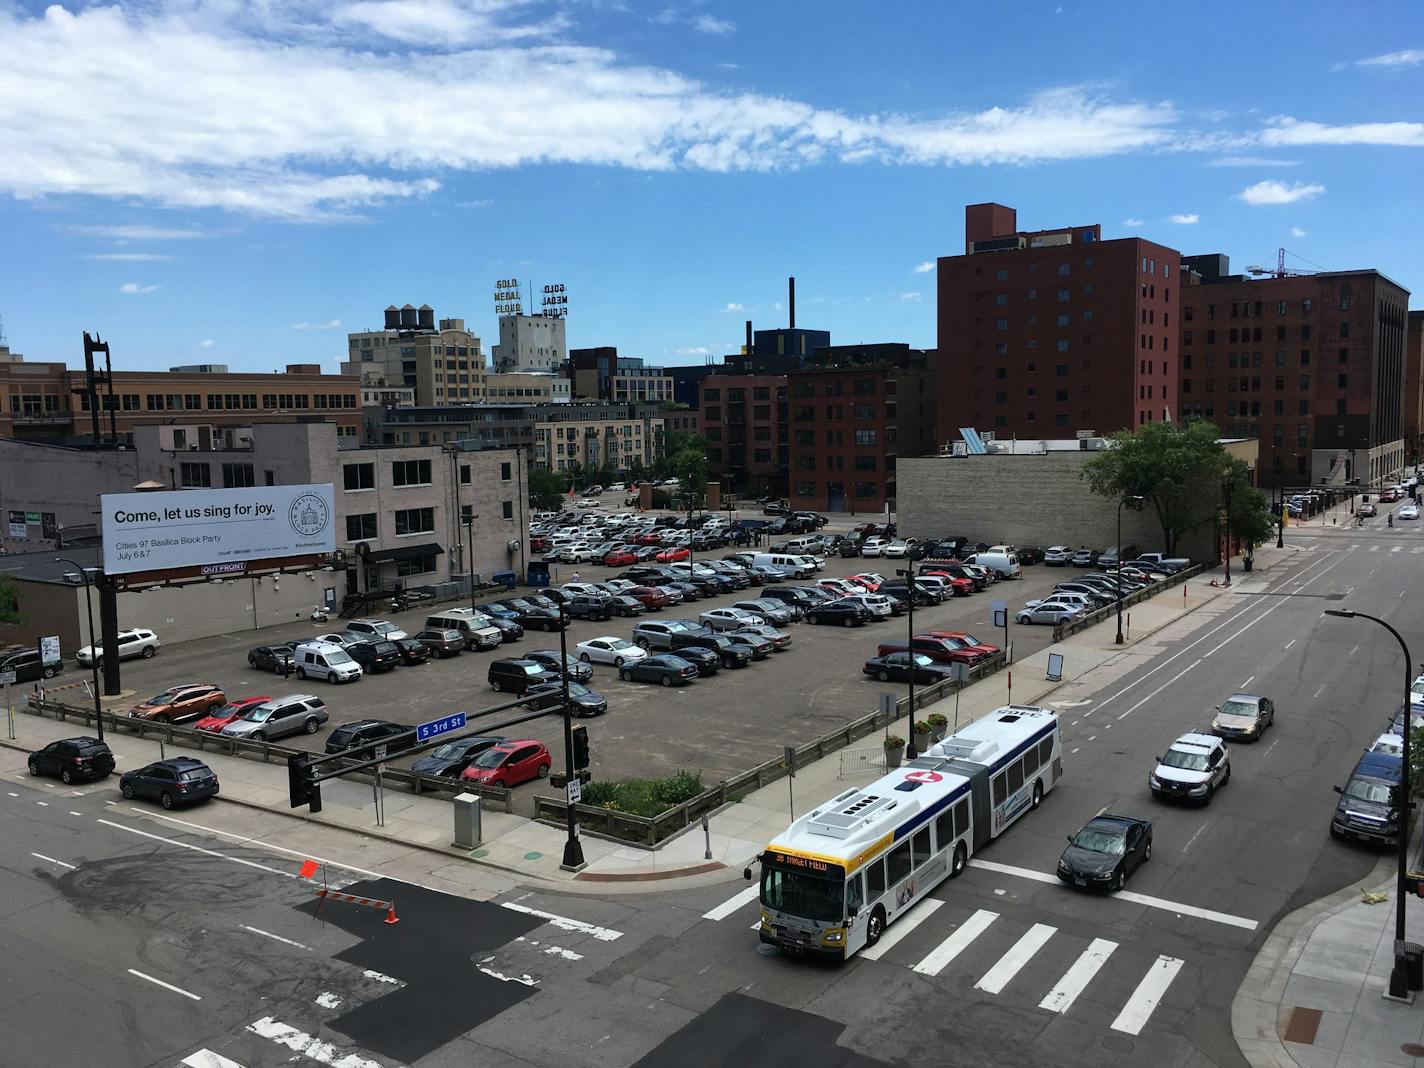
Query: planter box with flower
922, 736
939, 726
894, 751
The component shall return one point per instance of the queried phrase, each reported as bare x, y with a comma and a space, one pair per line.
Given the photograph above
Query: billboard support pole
109, 627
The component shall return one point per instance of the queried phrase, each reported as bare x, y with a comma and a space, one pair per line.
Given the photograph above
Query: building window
805, 437
410, 473
1001, 324
1342, 381
865, 462
238, 476
1302, 434
359, 476
505, 472
361, 527
867, 489
865, 437
1062, 394
1345, 329
1062, 345
415, 521
1061, 370
805, 462
805, 489
1002, 275
464, 474
1063, 294
416, 565
1060, 420
507, 509
195, 475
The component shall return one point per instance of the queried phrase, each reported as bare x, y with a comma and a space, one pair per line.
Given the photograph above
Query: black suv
842, 613
27, 665
73, 759
364, 731
530, 616
375, 656
179, 781
578, 670
732, 653
516, 675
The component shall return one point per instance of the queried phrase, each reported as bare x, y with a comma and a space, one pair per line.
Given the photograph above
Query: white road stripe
603, 934
1061, 997
1134, 1015
42, 804
1395, 548
902, 927
198, 849
732, 904
943, 954
1126, 895
73, 813
1289, 644
166, 986
305, 1044
1022, 951
1248, 681
206, 1058
51, 860
1159, 689
257, 844
274, 937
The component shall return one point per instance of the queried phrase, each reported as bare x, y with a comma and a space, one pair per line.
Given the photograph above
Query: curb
1256, 1008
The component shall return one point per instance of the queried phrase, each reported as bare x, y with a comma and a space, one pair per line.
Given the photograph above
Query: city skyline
670, 164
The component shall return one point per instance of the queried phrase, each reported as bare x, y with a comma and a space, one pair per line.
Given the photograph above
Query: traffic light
301, 790
580, 742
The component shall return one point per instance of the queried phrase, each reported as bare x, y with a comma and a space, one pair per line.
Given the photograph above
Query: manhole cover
1412, 1049
1118, 1044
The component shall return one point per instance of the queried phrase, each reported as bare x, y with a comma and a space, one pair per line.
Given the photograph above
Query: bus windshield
811, 897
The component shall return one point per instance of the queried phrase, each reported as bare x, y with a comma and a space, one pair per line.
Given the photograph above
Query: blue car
176, 781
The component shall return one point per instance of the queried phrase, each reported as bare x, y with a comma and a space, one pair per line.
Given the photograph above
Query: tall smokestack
749, 337
791, 287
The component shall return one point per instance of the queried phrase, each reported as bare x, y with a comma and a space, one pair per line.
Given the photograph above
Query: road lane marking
939, 958
1193, 838
199, 849
12, 793
276, 937
1159, 689
51, 860
1248, 681
166, 986
1134, 1015
303, 1043
603, 934
258, 844
732, 904
1126, 895
206, 1058
42, 804
1009, 965
1060, 999
1395, 548
73, 813
1289, 644
897, 931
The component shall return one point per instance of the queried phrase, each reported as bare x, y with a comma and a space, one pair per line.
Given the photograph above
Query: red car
650, 538
219, 718
961, 583
940, 650
968, 641
673, 554
651, 599
509, 763
619, 558
869, 579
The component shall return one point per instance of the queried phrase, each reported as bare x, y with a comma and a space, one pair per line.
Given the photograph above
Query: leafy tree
546, 489
1177, 470
1250, 510
10, 603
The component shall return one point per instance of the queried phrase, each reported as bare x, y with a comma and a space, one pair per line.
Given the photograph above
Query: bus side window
1015, 776
922, 846
1030, 762
944, 830
899, 862
1045, 751
961, 818
999, 792
854, 898
875, 878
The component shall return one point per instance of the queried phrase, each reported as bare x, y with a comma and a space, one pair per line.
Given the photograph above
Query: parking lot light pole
470, 562
573, 848
908, 574
1117, 575
93, 640
1399, 976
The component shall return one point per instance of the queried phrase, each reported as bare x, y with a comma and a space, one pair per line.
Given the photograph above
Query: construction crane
1280, 270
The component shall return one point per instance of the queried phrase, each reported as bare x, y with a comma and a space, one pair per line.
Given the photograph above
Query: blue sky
212, 181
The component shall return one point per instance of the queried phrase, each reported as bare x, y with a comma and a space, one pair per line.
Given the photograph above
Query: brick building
1413, 414
1045, 333
744, 419
1312, 365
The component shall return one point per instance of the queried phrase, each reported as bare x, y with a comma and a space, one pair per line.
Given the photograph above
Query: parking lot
717, 725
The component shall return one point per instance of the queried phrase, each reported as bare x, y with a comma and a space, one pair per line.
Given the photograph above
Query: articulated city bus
843, 872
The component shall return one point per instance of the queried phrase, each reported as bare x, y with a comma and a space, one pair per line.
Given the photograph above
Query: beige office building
443, 364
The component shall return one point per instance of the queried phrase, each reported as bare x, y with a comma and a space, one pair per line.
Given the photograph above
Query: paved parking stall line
1060, 999
1149, 992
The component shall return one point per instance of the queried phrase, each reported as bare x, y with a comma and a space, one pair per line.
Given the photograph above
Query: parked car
278, 717
1368, 809
396, 737
73, 759
1086, 558
516, 675
577, 669
1058, 556
175, 781
375, 629
878, 605
779, 638
449, 760
967, 641
1054, 612
278, 659
672, 554
375, 657
707, 661
442, 643
658, 634
131, 643
774, 612
728, 618
626, 605
609, 649
941, 650
1105, 851
28, 666
476, 628
730, 652
177, 704
666, 668
1191, 769
326, 660
585, 607
234, 710
838, 613
896, 667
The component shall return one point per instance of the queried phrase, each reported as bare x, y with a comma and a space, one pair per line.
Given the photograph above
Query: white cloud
136, 287
1271, 191
334, 324
695, 350
484, 202
708, 24
1251, 161
1296, 231
128, 257
734, 307
1409, 57
298, 110
926, 267
910, 298
1184, 219
1284, 130
206, 343
1131, 222
137, 233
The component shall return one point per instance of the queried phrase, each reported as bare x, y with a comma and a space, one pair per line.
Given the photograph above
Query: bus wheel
961, 858
875, 927
1037, 794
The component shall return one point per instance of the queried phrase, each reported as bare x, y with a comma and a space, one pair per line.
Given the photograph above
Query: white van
325, 660
795, 566
1004, 564
474, 627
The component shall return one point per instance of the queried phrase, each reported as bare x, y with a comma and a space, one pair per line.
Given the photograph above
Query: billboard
193, 528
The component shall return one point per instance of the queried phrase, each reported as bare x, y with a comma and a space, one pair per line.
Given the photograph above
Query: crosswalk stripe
897, 931
732, 904
1417, 549
1395, 548
997, 977
1061, 997
1374, 548
1134, 1015
943, 954
206, 1058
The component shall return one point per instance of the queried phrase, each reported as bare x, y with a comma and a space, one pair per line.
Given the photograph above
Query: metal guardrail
171, 733
1083, 622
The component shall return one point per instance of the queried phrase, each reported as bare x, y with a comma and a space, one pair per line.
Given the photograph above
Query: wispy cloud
1184, 218
138, 233
136, 287
1409, 57
334, 324
206, 343
483, 202
730, 307
1296, 231
694, 350
127, 257
709, 24
1131, 222
925, 268
1285, 130
911, 298
1273, 192
1251, 161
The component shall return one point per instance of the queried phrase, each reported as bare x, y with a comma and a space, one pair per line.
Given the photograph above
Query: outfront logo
309, 515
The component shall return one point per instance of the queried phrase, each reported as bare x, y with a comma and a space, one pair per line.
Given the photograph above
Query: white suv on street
1191, 769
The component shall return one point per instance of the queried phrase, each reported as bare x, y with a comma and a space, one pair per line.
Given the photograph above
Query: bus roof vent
840, 820
978, 750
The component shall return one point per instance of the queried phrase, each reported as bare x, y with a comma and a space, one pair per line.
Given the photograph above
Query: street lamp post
1226, 530
908, 574
93, 640
1117, 575
573, 848
470, 560
1399, 975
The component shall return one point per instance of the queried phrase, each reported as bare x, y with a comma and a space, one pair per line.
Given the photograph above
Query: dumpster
538, 573
503, 578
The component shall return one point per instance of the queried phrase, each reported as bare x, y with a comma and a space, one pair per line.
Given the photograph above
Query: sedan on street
665, 668
1105, 851
1243, 716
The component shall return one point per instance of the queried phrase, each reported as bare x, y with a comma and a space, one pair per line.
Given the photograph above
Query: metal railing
1083, 622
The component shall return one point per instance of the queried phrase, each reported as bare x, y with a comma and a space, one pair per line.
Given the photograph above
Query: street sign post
436, 727
6, 678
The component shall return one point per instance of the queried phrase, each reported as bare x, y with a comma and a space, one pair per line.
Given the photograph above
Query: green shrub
644, 797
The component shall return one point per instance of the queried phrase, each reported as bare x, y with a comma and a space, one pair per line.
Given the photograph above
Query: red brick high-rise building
1046, 333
